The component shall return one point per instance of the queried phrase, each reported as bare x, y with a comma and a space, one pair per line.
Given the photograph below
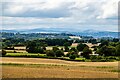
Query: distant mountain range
93, 33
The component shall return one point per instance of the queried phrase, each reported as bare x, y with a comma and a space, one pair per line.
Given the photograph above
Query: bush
55, 49
93, 57
118, 50
2, 52
72, 56
74, 49
81, 46
86, 53
50, 53
106, 51
66, 48
59, 53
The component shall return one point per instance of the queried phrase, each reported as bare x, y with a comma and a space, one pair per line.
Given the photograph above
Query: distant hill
94, 33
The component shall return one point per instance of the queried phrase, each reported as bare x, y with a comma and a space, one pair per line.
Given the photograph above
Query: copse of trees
33, 47
93, 41
118, 50
107, 48
81, 46
72, 54
103, 43
106, 51
86, 53
55, 48
50, 53
59, 42
59, 53
13, 42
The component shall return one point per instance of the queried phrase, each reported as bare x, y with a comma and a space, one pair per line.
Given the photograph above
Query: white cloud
60, 13
109, 9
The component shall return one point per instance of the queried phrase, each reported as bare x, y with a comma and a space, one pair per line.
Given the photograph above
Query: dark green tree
73, 56
106, 51
55, 48
2, 52
50, 53
118, 50
59, 53
66, 48
86, 53
81, 46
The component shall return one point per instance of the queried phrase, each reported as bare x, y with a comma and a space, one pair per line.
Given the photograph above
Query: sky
76, 15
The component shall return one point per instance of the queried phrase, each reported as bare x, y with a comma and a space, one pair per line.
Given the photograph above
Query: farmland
52, 68
60, 58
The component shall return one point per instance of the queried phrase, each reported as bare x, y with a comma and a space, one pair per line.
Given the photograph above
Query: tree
2, 52
93, 41
103, 43
81, 46
74, 49
115, 40
106, 51
86, 52
66, 44
50, 53
66, 48
59, 53
55, 49
31, 47
44, 48
118, 50
72, 56
39, 49
35, 47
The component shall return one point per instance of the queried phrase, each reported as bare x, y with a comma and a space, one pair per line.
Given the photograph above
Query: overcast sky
73, 14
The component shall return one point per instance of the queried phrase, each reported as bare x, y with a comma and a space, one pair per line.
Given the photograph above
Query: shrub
86, 52
74, 49
81, 46
66, 49
2, 52
106, 51
72, 56
59, 53
67, 55
118, 50
55, 49
50, 53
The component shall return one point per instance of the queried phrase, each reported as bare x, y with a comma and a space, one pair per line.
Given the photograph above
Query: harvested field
53, 68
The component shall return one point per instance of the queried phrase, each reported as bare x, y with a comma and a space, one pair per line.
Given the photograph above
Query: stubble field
53, 68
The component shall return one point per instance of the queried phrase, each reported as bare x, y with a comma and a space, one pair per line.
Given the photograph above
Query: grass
115, 71
81, 59
31, 65
25, 54
36, 55
104, 67
29, 55
57, 65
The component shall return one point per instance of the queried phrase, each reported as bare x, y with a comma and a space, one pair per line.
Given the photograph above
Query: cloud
79, 14
41, 9
109, 9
